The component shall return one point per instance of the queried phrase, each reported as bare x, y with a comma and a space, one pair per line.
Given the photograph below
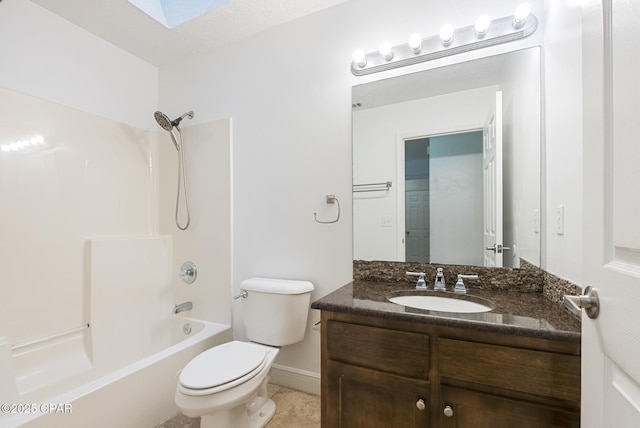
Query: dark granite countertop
516, 313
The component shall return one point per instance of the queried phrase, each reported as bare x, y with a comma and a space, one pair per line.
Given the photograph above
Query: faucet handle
421, 284
415, 273
460, 287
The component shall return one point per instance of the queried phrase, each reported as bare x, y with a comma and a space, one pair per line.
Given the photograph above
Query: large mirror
446, 164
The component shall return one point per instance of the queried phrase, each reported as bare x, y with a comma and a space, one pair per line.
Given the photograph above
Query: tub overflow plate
186, 329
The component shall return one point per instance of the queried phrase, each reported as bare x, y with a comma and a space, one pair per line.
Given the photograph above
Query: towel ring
331, 199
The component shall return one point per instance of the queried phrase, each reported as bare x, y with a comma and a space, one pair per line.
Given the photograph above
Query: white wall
288, 91
563, 128
522, 126
46, 56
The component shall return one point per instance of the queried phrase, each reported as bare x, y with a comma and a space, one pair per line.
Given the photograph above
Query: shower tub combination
133, 394
121, 367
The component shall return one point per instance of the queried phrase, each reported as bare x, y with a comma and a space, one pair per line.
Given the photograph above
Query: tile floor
294, 409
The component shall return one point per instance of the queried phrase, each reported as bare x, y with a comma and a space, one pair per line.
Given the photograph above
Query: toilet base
238, 417
234, 417
261, 418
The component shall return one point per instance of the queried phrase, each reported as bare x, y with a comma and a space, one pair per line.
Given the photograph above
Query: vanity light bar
462, 40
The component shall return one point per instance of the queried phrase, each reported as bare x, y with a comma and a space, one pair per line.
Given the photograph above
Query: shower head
168, 124
164, 122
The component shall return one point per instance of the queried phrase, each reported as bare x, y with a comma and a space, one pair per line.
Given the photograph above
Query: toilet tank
275, 310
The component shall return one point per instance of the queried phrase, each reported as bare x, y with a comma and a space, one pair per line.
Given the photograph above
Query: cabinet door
365, 398
465, 408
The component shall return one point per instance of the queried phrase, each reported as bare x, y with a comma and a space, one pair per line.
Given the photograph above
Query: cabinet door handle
448, 411
420, 404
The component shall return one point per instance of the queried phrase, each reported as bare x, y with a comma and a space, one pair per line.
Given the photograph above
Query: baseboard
297, 379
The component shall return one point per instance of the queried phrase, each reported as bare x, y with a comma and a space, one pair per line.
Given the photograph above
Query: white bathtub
60, 384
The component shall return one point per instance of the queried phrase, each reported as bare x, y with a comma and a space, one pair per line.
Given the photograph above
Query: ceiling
127, 27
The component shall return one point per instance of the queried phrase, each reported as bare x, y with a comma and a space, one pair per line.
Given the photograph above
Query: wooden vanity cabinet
374, 377
387, 373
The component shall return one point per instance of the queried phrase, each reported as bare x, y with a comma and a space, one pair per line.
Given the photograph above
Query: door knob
498, 248
589, 301
420, 404
448, 411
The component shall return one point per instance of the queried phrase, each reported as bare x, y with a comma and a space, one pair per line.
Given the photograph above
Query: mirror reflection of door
493, 237
444, 198
416, 200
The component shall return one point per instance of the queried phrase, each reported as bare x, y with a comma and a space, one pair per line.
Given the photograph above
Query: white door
611, 107
492, 171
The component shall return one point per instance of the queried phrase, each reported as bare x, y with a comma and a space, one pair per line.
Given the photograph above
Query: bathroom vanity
387, 365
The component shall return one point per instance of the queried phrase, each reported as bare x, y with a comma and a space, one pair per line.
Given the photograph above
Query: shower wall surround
90, 177
86, 177
207, 241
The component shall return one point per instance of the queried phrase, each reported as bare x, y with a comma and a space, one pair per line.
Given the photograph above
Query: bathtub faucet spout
186, 306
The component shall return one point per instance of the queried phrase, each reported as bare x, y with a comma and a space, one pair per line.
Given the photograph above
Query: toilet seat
222, 367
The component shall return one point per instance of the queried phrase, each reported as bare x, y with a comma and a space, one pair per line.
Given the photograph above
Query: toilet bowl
226, 386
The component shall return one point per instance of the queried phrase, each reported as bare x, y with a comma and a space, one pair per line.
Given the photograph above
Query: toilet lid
222, 364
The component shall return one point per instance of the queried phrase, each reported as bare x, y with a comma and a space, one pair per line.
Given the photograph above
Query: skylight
172, 13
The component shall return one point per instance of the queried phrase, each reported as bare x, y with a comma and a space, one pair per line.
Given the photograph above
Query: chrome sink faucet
439, 285
186, 306
421, 284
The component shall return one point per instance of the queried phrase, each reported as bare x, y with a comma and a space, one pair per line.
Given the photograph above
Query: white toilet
227, 385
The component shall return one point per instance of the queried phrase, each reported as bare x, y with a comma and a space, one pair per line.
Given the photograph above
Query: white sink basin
440, 304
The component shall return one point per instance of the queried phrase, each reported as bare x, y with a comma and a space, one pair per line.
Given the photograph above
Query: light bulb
446, 34
521, 14
415, 42
482, 25
385, 50
359, 58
